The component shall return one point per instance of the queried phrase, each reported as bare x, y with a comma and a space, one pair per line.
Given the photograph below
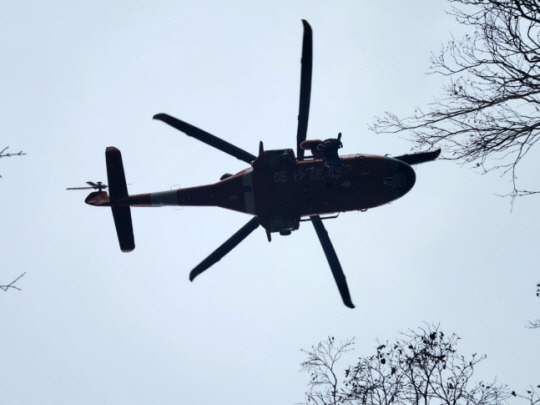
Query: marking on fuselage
299, 175
316, 173
281, 177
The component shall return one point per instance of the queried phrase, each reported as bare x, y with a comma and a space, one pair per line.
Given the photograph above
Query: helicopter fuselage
280, 190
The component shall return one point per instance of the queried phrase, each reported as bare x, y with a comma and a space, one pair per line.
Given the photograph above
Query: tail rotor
99, 186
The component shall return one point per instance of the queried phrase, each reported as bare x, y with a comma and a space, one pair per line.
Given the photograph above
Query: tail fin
118, 191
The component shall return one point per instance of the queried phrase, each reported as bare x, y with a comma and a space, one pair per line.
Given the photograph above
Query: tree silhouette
489, 114
420, 367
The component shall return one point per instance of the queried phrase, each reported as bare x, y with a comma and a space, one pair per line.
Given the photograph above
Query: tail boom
234, 192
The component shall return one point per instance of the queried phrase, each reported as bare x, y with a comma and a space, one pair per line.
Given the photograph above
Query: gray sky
94, 325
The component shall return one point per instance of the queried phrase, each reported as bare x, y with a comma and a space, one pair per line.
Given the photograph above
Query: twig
12, 284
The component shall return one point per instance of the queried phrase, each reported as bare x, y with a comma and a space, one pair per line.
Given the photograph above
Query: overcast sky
95, 325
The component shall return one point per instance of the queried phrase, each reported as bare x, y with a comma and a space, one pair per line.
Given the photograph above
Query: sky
94, 325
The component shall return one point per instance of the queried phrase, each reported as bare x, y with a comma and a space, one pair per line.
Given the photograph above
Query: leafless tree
12, 284
421, 367
489, 113
324, 385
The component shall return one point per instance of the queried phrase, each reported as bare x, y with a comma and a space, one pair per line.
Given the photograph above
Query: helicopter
279, 189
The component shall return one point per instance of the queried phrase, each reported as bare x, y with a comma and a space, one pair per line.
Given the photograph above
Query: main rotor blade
305, 88
333, 260
225, 248
421, 157
207, 138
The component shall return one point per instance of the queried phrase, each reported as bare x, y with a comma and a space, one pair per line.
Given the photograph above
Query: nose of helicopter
400, 178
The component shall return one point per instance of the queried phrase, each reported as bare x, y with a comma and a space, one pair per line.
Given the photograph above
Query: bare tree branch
3, 153
422, 367
489, 113
12, 284
532, 395
324, 383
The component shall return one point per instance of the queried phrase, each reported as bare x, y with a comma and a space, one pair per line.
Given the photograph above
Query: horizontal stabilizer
115, 174
117, 191
124, 227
